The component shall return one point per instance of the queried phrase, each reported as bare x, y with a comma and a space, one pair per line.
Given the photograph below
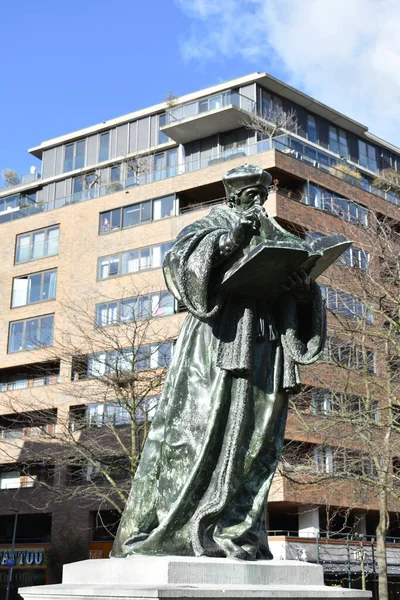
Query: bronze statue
215, 441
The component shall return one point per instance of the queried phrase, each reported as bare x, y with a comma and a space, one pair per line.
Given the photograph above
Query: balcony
341, 554
214, 114
286, 144
11, 179
29, 376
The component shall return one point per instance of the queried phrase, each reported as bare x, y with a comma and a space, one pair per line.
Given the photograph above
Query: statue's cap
245, 176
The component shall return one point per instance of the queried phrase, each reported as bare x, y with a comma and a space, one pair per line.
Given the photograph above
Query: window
110, 220
345, 305
323, 459
367, 155
141, 358
74, 157
83, 187
338, 141
104, 151
355, 257
350, 355
166, 164
34, 288
37, 244
312, 133
132, 309
10, 480
115, 174
337, 205
163, 207
132, 261
342, 461
31, 333
162, 137
323, 401
107, 415
137, 214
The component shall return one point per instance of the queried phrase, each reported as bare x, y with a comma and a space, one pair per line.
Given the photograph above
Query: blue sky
68, 65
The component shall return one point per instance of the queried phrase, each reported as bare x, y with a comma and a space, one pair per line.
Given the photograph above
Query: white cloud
345, 53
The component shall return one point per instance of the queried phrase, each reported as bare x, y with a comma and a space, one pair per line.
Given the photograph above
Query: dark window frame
31, 234
24, 334
29, 276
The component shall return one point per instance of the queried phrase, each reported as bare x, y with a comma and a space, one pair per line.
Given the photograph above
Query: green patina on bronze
216, 438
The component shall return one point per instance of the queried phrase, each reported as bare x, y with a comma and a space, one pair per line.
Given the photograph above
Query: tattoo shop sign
22, 557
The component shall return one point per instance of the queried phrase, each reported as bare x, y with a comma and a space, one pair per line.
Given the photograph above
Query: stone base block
145, 578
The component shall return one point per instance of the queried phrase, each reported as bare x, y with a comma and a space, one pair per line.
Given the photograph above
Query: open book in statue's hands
264, 271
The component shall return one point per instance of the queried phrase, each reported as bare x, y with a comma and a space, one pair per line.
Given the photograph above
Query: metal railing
286, 144
23, 384
214, 102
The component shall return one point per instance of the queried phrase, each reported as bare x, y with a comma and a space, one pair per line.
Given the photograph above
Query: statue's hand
240, 227
299, 286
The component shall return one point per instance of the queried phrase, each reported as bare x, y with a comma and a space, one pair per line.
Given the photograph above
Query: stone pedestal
145, 577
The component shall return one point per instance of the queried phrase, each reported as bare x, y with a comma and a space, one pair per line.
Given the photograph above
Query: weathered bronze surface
216, 438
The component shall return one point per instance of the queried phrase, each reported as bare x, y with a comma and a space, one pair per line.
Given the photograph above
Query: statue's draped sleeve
188, 265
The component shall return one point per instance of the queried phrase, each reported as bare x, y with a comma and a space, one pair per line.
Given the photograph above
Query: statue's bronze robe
216, 438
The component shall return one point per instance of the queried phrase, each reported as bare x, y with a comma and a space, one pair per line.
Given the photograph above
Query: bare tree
353, 412
272, 122
112, 369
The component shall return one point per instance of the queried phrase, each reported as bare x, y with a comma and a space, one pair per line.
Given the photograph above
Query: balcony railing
22, 384
10, 179
287, 144
192, 109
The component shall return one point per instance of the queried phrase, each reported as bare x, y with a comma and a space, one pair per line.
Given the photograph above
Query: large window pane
172, 162
34, 288
312, 129
145, 212
80, 155
163, 207
101, 315
131, 215
104, 146
20, 291
46, 331
49, 285
159, 171
130, 262
52, 240
32, 339
116, 219
16, 337
69, 158
163, 304
128, 309
38, 247
23, 248
162, 137
115, 174
114, 266
144, 307
145, 258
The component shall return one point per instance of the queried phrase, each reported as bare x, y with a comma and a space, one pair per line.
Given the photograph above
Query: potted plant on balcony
345, 171
10, 177
388, 180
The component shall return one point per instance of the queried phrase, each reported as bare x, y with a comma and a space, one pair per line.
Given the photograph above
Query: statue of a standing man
216, 438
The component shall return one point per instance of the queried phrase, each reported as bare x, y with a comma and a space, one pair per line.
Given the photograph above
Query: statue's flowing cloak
217, 435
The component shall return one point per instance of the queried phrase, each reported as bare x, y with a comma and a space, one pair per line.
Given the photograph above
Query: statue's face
251, 196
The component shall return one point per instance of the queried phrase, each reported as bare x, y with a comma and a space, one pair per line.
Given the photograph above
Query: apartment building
91, 227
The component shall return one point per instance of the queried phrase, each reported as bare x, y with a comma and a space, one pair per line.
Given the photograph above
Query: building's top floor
189, 133
244, 84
